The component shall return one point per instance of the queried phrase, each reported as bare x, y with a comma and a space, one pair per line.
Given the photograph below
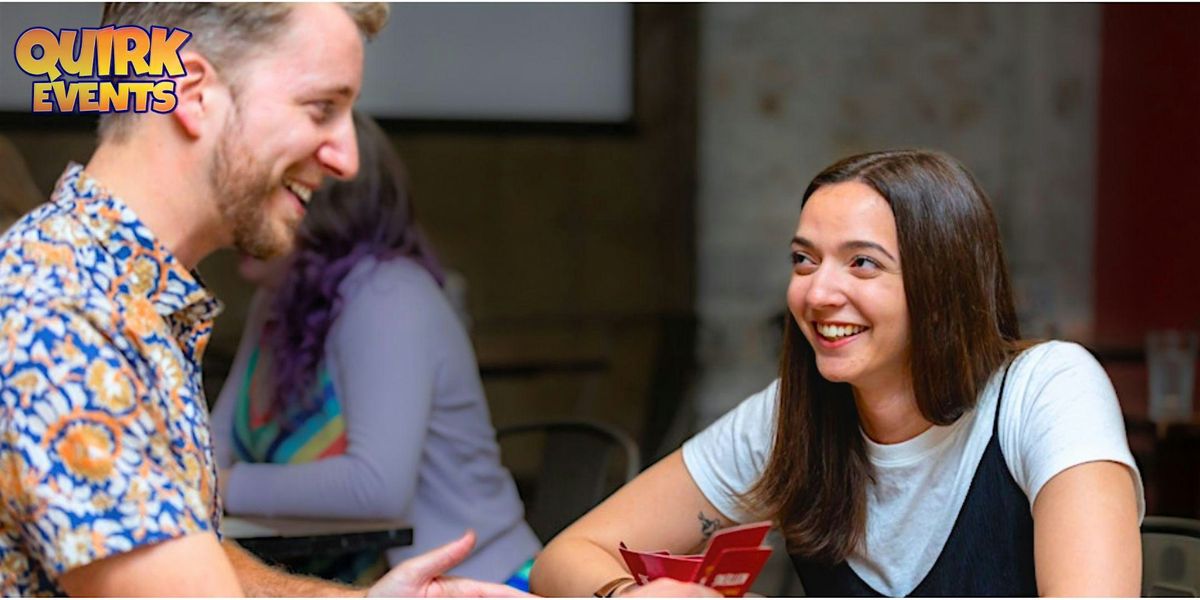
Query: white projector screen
538, 62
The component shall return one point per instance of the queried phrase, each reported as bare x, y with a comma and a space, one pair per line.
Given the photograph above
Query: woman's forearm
574, 566
336, 487
654, 511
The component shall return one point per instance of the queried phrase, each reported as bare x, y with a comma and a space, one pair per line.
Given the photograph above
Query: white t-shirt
1059, 410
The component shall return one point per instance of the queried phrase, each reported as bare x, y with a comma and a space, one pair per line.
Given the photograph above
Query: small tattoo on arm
707, 526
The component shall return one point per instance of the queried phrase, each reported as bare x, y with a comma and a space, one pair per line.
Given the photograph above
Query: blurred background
617, 187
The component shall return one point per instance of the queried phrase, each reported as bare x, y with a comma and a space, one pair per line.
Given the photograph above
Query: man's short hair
222, 32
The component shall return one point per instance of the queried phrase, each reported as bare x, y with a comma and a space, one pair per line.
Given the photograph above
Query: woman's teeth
834, 332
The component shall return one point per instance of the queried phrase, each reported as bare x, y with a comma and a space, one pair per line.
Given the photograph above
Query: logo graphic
110, 69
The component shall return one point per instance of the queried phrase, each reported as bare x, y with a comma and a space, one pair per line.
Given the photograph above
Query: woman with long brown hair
913, 444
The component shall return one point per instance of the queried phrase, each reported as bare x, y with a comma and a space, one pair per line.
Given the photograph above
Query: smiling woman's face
846, 292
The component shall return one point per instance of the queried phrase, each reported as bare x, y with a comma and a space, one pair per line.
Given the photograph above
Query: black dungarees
989, 551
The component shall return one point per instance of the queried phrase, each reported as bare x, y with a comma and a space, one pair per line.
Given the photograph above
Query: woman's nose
824, 289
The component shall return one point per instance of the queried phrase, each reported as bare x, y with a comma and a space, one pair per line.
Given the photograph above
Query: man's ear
201, 95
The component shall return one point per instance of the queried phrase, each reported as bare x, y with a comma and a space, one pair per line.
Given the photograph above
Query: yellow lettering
164, 96
141, 95
164, 50
41, 97
81, 64
113, 98
130, 47
86, 93
42, 38
104, 51
64, 95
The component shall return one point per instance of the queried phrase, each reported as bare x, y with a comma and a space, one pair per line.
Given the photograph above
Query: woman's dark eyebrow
802, 241
865, 245
850, 245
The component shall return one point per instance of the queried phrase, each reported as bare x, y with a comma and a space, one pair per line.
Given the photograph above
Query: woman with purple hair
355, 392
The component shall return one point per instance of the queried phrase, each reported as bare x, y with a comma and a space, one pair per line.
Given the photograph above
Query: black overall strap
989, 551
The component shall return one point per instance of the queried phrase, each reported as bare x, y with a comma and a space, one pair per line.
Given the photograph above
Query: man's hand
421, 576
665, 587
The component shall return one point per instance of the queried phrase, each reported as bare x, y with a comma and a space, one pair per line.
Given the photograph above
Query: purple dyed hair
369, 216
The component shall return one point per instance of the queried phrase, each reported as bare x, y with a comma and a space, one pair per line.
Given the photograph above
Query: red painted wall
1147, 254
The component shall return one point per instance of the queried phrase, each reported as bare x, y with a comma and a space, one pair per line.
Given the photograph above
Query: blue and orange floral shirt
104, 436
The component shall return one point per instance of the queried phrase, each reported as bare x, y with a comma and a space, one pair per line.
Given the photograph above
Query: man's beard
244, 188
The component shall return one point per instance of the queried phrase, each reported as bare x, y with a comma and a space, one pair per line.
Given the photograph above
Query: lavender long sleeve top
420, 439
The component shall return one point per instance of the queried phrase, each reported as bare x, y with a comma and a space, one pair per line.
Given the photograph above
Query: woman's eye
802, 262
862, 262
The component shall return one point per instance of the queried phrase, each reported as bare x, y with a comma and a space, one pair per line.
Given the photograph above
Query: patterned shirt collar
178, 293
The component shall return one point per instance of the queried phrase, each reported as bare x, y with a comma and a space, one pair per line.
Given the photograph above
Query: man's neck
167, 191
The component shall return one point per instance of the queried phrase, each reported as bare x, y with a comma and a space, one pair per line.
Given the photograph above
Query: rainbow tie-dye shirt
104, 436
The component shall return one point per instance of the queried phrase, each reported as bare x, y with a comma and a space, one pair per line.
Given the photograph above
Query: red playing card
730, 564
743, 536
648, 566
736, 570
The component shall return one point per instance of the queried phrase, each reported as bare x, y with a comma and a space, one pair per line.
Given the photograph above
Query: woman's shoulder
1056, 375
398, 288
754, 412
1051, 357
1060, 410
388, 277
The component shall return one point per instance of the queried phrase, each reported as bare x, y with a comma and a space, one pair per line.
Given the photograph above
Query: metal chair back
1170, 557
573, 473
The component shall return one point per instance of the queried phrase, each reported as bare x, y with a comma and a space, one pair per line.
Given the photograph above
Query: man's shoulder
49, 334
47, 284
31, 223
45, 259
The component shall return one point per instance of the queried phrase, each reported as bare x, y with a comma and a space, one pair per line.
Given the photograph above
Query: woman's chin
833, 376
834, 372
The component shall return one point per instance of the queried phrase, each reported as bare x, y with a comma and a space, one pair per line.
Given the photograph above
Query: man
107, 484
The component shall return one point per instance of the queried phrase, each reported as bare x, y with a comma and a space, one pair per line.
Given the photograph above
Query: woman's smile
832, 334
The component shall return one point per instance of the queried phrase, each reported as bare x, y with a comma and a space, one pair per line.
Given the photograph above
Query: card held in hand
729, 565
